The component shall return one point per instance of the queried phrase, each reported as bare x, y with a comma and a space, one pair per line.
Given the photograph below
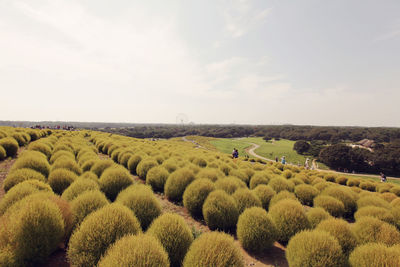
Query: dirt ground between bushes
274, 257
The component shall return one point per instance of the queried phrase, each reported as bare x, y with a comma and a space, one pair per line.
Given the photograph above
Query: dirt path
250, 150
5, 167
192, 141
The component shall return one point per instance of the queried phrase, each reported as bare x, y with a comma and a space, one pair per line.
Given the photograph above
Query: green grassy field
268, 150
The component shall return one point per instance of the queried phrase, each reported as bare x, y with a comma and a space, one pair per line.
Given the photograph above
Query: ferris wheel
182, 119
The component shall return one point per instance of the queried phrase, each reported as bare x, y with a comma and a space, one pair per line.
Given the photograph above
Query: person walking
235, 153
283, 160
383, 178
307, 164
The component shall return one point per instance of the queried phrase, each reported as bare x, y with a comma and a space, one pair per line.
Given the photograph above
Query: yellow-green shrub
177, 182
220, 211
395, 190
195, 195
332, 205
135, 250
280, 184
306, 193
40, 147
79, 186
213, 249
289, 218
230, 184
174, 234
345, 195
100, 166
374, 254
255, 230
370, 186
60, 179
241, 175
19, 175
98, 231
66, 163
87, 203
141, 200
61, 153
87, 166
340, 229
89, 175
265, 193
314, 248
376, 212
317, 215
245, 198
369, 229
133, 162
287, 174
341, 180
156, 178
10, 145
353, 182
20, 191
210, 173
280, 196
389, 197
144, 166
259, 178
114, 180
372, 201
395, 202
3, 155
29, 229
31, 161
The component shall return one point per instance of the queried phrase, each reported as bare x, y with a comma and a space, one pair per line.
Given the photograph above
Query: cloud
241, 16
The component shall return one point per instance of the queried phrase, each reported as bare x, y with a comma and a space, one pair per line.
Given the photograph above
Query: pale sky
217, 61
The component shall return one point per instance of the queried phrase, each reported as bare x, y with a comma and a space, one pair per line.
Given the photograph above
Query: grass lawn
227, 145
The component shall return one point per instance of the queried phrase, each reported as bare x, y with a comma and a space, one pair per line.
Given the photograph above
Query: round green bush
124, 158
259, 178
177, 182
353, 182
86, 203
10, 145
220, 211
289, 218
287, 174
89, 175
383, 187
280, 184
211, 174
306, 193
60, 179
141, 200
376, 212
314, 248
396, 216
369, 229
133, 162
30, 228
79, 186
389, 197
230, 184
317, 215
345, 195
374, 254
342, 180
40, 147
372, 201
246, 198
395, 203
87, 166
395, 190
144, 166
19, 175
340, 229
174, 234
369, 186
255, 230
213, 249
32, 162
281, 196
265, 193
101, 165
195, 195
156, 178
241, 175
98, 231
114, 180
20, 191
135, 250
3, 153
66, 163
332, 205
322, 186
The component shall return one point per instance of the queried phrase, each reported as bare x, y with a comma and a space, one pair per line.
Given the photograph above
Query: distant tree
301, 146
336, 156
267, 138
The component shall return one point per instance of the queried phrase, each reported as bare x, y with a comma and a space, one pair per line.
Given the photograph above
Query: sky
307, 62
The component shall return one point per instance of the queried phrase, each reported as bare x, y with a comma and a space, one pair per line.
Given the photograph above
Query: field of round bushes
77, 190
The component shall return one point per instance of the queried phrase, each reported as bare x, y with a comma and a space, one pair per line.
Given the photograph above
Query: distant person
235, 153
276, 159
307, 163
283, 160
383, 178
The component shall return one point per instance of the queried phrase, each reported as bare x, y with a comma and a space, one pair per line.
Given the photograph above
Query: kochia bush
114, 180
375, 254
19, 175
195, 195
79, 186
369, 229
306, 193
245, 198
87, 203
98, 231
31, 161
265, 193
60, 179
332, 205
144, 166
177, 182
317, 215
10, 145
213, 249
156, 178
255, 230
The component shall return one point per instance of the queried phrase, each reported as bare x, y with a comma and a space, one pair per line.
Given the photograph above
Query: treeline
310, 133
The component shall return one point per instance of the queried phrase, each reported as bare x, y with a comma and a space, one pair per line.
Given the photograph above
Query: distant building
367, 143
